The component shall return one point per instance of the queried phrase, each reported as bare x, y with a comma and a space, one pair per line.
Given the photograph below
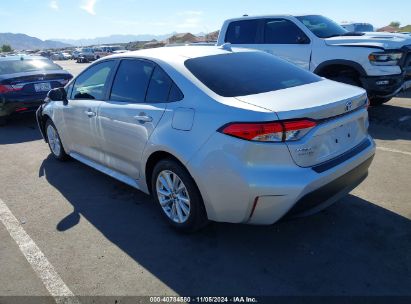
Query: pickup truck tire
377, 101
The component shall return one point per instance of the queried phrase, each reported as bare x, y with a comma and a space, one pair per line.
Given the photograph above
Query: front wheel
54, 141
178, 197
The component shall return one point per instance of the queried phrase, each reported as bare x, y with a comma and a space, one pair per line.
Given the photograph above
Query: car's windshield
26, 65
247, 73
322, 27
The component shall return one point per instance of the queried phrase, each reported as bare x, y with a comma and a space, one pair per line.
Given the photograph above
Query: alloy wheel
173, 196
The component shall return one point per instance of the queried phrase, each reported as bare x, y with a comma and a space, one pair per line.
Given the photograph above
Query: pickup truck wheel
54, 141
178, 197
377, 101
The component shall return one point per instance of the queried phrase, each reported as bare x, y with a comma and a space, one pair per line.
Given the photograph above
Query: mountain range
25, 42
112, 39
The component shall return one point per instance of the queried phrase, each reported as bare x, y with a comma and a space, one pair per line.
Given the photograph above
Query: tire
54, 142
3, 121
183, 208
377, 101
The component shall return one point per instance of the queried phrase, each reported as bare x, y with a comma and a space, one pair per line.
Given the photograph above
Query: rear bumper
256, 183
329, 193
12, 107
319, 191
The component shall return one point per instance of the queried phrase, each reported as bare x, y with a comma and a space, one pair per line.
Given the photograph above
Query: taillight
296, 129
279, 131
9, 88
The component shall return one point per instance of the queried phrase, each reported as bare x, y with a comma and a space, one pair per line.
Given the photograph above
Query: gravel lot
105, 238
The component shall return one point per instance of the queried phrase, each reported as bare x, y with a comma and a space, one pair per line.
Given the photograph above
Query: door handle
90, 113
143, 118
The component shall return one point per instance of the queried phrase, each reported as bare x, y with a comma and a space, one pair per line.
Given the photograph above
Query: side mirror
58, 94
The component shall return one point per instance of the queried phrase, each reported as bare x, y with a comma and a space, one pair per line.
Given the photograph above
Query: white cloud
88, 6
54, 5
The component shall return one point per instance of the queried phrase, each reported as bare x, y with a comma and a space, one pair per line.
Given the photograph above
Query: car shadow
352, 248
19, 129
390, 122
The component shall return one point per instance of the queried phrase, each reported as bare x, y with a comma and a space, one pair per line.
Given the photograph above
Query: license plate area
329, 140
342, 135
42, 87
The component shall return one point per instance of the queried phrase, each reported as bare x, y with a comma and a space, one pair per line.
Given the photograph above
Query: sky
74, 19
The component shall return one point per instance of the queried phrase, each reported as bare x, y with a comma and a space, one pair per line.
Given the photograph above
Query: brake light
9, 88
279, 131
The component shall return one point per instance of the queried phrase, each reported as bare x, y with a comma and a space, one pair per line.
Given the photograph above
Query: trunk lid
35, 83
338, 109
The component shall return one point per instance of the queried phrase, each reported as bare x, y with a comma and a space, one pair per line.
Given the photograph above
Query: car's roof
181, 53
20, 57
245, 17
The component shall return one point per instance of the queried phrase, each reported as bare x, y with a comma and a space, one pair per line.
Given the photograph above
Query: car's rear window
26, 65
247, 73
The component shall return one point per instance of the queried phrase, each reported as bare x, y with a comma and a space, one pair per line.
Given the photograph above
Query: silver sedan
214, 133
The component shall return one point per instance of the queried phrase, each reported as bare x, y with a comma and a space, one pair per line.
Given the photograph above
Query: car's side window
69, 88
175, 94
243, 32
159, 87
92, 84
131, 81
282, 31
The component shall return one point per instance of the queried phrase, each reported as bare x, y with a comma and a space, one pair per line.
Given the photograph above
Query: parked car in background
214, 133
75, 54
60, 56
86, 55
358, 27
378, 62
106, 50
25, 81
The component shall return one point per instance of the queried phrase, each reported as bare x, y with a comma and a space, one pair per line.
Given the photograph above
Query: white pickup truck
378, 62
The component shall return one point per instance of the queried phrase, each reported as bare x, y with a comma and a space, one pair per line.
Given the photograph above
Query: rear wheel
177, 196
54, 141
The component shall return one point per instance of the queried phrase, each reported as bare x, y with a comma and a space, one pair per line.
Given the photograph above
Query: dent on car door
80, 114
137, 102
